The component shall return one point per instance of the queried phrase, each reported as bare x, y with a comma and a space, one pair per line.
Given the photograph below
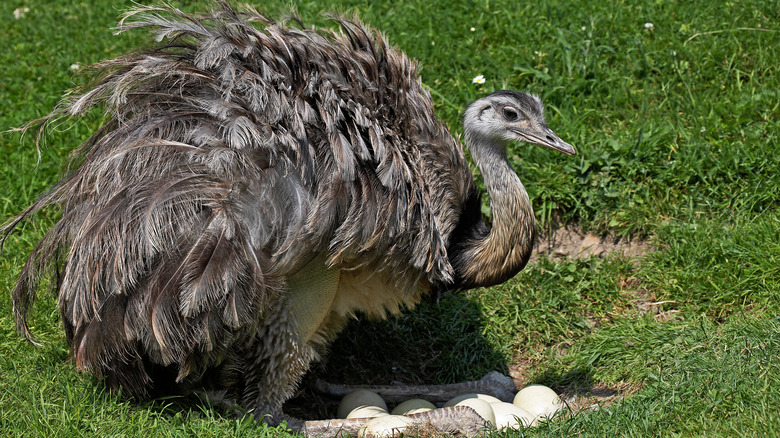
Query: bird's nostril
550, 139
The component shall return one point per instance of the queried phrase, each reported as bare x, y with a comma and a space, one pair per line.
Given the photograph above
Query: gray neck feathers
507, 247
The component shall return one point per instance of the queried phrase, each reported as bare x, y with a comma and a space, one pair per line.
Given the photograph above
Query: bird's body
252, 189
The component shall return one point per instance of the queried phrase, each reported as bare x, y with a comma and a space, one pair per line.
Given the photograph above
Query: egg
483, 408
413, 406
385, 426
512, 417
358, 398
539, 400
367, 412
484, 397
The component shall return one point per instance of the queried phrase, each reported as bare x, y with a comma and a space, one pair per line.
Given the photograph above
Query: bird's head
506, 116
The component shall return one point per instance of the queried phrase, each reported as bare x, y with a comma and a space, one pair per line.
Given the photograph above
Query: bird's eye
511, 114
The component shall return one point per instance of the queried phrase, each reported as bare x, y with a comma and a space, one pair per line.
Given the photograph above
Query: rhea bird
255, 185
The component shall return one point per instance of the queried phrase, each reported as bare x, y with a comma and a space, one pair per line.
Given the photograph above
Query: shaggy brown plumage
237, 157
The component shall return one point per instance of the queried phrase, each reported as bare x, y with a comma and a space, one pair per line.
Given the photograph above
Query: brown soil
570, 241
594, 397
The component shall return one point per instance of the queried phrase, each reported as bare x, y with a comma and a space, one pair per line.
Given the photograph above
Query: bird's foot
493, 383
457, 420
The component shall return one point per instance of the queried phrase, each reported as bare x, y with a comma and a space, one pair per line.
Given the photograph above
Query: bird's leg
334, 427
273, 366
461, 420
494, 383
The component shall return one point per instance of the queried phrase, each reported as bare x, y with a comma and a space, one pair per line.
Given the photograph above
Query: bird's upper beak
547, 138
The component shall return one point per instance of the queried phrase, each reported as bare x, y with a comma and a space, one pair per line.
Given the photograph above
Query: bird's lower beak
550, 140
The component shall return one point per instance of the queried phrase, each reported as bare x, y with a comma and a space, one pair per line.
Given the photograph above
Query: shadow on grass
575, 381
439, 342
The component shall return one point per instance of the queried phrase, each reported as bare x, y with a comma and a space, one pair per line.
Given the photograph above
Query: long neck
490, 257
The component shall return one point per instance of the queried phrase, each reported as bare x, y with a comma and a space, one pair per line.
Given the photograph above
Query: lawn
674, 108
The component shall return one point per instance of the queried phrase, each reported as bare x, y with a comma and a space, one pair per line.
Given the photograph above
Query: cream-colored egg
413, 406
483, 408
539, 400
385, 426
417, 411
367, 412
358, 398
512, 417
484, 397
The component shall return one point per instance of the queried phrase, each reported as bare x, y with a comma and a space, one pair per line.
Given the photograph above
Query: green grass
677, 130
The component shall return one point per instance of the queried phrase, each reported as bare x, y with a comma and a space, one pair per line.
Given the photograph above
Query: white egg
386, 426
512, 417
413, 406
484, 397
539, 400
417, 411
358, 398
367, 412
483, 408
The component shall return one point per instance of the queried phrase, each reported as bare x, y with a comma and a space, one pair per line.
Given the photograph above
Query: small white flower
75, 66
584, 28
19, 12
480, 79
649, 26
473, 29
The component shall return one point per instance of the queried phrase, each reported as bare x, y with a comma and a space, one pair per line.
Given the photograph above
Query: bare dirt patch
594, 397
571, 242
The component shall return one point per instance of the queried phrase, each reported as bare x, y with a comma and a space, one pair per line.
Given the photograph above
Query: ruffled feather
231, 155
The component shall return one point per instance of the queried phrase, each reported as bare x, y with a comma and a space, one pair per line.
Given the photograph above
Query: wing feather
232, 154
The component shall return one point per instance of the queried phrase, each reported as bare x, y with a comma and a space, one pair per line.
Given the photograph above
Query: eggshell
483, 408
417, 411
539, 400
367, 412
512, 417
358, 398
385, 426
484, 397
413, 406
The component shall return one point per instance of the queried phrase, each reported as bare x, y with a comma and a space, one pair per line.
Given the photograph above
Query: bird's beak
548, 139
